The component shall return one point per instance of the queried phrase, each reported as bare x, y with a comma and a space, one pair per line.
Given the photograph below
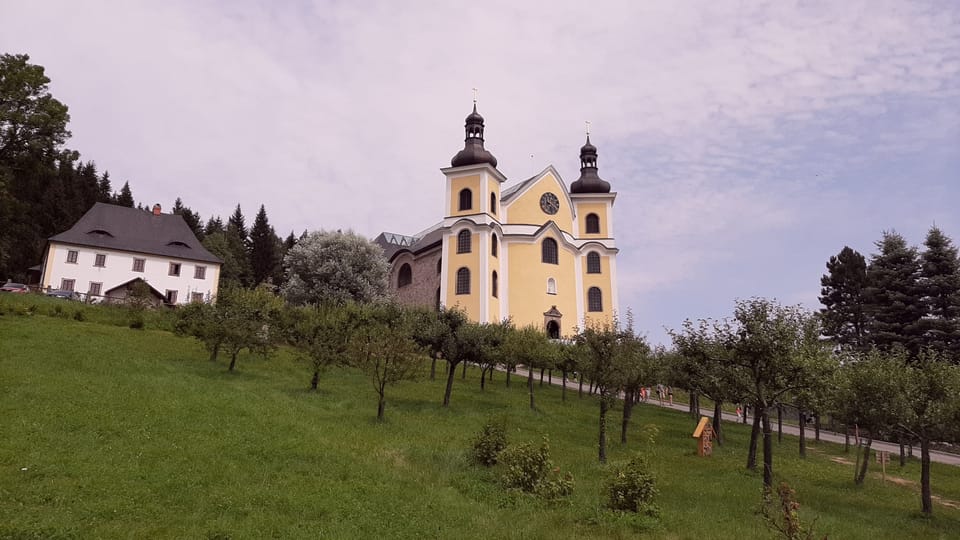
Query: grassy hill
113, 432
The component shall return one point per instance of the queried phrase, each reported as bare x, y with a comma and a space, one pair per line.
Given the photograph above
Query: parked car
15, 288
66, 295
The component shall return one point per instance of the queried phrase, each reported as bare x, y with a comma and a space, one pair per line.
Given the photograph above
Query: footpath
825, 435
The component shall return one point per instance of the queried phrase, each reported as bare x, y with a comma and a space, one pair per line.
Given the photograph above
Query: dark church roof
589, 181
393, 243
128, 229
473, 152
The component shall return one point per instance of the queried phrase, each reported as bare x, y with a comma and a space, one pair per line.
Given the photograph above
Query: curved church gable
541, 199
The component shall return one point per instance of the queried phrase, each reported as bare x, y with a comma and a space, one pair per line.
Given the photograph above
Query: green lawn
112, 432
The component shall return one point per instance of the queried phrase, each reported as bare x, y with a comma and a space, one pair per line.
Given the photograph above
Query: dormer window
177, 243
100, 232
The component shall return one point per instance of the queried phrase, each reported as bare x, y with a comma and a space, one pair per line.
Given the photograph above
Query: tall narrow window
138, 265
171, 297
463, 281
100, 260
493, 245
67, 284
174, 269
494, 283
463, 242
593, 262
95, 288
199, 272
549, 251
551, 286
493, 203
593, 224
594, 299
466, 199
404, 276
72, 257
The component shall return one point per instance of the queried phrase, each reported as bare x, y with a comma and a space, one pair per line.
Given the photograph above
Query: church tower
470, 270
593, 204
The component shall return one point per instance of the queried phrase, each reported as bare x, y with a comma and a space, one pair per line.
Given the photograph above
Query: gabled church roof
128, 229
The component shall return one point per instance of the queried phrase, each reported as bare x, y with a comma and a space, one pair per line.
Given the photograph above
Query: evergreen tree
125, 197
893, 300
236, 224
940, 288
105, 190
289, 243
192, 218
214, 225
264, 249
842, 297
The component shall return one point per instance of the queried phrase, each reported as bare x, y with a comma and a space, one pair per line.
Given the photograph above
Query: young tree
446, 334
333, 268
602, 352
842, 295
639, 369
940, 290
776, 350
382, 347
264, 248
249, 320
894, 304
528, 346
323, 335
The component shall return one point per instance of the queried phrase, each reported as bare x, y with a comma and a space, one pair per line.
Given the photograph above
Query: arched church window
493, 245
594, 299
593, 262
493, 203
463, 281
404, 276
466, 199
494, 284
463, 242
593, 224
549, 251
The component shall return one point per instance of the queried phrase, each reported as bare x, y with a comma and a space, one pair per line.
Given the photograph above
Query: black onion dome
589, 181
473, 152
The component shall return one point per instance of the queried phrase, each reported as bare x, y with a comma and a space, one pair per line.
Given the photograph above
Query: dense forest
45, 187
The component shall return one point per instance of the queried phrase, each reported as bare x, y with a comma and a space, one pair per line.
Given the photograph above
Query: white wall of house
118, 268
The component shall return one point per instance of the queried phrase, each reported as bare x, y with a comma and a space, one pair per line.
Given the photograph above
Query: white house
112, 247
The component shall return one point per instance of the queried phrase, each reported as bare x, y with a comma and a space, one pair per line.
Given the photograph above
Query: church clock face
549, 203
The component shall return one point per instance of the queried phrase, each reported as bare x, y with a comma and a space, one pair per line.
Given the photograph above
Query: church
535, 251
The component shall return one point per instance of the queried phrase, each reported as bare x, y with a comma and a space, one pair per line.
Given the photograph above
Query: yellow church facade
536, 252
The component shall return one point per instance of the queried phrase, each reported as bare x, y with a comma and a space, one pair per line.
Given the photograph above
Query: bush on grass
530, 470
488, 444
631, 488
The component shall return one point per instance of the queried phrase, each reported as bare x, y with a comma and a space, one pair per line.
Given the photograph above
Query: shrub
631, 488
79, 316
530, 470
488, 444
781, 514
137, 321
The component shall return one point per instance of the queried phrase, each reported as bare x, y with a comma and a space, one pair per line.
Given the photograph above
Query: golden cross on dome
588, 127
474, 96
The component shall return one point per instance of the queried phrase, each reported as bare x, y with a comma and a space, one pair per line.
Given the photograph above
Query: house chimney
156, 209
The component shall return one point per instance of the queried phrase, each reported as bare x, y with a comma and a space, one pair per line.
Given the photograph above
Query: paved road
893, 448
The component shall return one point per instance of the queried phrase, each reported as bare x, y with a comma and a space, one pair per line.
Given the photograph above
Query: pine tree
236, 224
125, 197
940, 287
214, 225
104, 189
842, 298
264, 248
238, 241
894, 304
192, 218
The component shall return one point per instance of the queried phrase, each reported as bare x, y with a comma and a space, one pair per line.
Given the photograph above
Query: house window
405, 276
493, 203
174, 269
594, 299
551, 286
463, 242
67, 284
72, 256
593, 224
100, 260
494, 283
196, 297
171, 297
95, 288
493, 245
466, 199
138, 265
199, 272
549, 251
593, 262
463, 281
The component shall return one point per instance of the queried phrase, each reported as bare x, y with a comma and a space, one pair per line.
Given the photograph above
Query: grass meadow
111, 432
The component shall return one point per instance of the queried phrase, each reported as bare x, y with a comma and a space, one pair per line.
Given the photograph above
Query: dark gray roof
510, 191
129, 229
393, 244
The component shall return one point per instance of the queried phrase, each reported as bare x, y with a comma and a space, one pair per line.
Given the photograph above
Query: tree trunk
603, 430
381, 405
509, 369
451, 371
549, 376
779, 423
590, 390
754, 439
717, 421
315, 379
541, 375
903, 452
767, 450
233, 360
925, 502
745, 410
862, 473
627, 412
214, 352
803, 436
433, 368
483, 379
694, 406
580, 391
463, 375
816, 427
530, 387
563, 386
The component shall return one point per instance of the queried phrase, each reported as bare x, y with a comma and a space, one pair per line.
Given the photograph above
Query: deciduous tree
334, 268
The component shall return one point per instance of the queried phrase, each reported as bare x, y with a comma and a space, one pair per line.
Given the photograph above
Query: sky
747, 141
